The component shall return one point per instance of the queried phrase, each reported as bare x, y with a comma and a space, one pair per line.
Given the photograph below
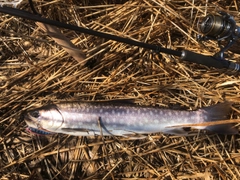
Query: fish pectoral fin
75, 130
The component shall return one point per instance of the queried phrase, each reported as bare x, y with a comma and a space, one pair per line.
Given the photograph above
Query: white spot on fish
155, 121
101, 110
205, 117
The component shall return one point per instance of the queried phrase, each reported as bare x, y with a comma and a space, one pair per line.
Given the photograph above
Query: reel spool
223, 29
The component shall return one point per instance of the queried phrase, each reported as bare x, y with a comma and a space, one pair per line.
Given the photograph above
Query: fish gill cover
35, 71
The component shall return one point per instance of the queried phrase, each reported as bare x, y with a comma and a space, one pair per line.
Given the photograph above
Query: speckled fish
119, 119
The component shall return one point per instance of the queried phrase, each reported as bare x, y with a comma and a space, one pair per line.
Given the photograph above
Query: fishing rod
220, 27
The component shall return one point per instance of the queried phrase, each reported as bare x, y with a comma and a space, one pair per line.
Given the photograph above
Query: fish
123, 119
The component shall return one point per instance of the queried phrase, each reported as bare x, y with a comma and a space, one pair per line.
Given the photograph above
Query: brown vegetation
35, 70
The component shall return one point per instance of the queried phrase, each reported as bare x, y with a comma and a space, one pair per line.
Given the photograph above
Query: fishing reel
223, 29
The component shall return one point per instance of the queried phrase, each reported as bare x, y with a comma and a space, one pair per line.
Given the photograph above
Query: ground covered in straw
35, 70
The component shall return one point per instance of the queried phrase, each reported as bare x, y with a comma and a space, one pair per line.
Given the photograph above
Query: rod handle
209, 61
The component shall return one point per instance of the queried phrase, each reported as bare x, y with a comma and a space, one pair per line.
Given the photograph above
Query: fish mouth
38, 131
34, 130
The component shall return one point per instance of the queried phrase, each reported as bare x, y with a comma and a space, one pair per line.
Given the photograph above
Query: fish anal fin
181, 131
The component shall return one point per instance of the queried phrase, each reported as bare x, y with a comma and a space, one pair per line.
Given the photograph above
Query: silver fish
119, 119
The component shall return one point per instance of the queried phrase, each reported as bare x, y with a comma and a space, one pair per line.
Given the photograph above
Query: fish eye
35, 114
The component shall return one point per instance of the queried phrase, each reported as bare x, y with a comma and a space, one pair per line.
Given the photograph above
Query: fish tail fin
217, 112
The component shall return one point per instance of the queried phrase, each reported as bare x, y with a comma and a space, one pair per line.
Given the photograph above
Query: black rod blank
30, 16
185, 55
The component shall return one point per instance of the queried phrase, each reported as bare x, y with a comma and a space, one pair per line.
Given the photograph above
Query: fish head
44, 120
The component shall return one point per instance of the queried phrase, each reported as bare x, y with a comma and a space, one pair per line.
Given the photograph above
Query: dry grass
34, 70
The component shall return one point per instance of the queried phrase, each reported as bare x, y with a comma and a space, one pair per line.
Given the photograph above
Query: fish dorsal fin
111, 101
118, 101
